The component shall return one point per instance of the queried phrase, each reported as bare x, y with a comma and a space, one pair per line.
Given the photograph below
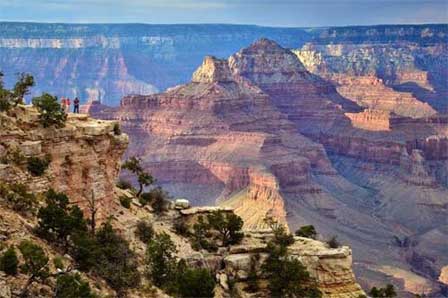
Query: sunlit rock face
389, 68
85, 156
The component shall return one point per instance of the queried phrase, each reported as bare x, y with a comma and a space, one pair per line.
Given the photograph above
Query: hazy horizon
280, 13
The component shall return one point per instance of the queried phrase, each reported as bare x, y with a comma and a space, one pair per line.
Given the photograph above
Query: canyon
259, 132
85, 162
343, 128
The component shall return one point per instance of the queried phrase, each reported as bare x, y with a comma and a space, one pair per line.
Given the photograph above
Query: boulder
182, 204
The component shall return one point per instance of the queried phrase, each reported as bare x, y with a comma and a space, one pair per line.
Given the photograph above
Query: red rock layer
370, 92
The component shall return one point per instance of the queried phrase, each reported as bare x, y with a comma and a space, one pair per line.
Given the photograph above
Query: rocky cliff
85, 155
264, 135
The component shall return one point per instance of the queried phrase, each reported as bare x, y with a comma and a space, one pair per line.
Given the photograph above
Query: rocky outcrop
331, 268
106, 62
85, 155
373, 120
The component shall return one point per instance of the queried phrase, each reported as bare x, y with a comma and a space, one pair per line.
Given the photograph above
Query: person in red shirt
63, 103
67, 105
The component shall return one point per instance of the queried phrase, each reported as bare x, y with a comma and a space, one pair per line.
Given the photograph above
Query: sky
284, 13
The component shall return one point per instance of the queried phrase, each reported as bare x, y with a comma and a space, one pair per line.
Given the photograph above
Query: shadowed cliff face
262, 134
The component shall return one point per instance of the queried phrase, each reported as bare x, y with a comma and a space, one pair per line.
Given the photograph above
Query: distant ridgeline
108, 61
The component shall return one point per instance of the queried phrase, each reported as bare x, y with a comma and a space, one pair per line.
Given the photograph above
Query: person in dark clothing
76, 105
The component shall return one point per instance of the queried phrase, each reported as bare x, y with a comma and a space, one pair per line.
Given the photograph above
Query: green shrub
252, 276
176, 278
58, 263
202, 236
5, 105
125, 202
159, 200
333, 242
72, 286
51, 112
21, 88
195, 282
145, 198
307, 232
387, 292
286, 276
181, 228
85, 251
160, 260
35, 264
143, 178
9, 98
144, 231
108, 255
13, 156
9, 262
37, 166
18, 196
123, 184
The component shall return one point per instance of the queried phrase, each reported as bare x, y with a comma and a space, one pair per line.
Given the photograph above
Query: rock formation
224, 130
106, 62
251, 131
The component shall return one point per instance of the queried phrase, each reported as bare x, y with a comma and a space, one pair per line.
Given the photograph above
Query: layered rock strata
221, 131
406, 79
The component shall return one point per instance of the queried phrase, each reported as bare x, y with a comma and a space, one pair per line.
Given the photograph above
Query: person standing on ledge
76, 105
67, 105
63, 103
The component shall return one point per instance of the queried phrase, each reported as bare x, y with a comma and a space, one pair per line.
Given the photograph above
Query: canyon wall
108, 61
384, 67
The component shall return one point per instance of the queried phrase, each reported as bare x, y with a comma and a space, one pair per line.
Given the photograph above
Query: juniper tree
35, 263
143, 178
50, 111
